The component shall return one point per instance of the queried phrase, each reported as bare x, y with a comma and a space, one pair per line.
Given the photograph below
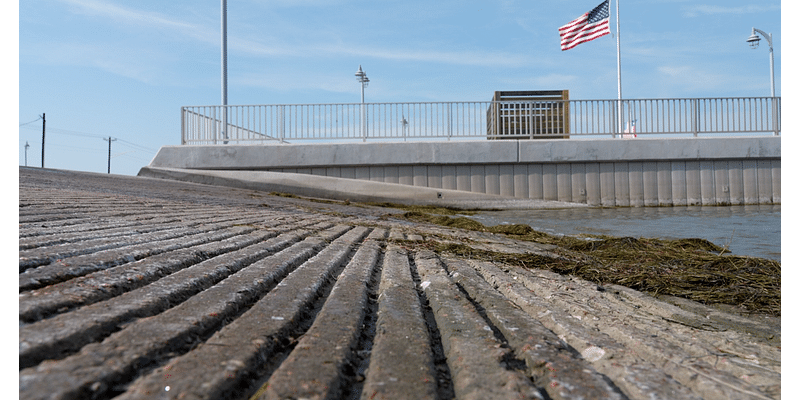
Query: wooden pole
43, 121
109, 152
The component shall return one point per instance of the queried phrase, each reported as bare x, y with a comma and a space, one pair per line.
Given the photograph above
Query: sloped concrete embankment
150, 289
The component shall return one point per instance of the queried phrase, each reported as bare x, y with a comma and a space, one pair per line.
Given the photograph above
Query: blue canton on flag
588, 26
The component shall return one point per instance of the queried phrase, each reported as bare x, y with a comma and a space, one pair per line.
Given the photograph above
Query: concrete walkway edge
342, 189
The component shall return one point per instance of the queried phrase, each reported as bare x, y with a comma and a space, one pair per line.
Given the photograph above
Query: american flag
587, 27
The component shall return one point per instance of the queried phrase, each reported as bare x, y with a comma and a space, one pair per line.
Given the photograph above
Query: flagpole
619, 79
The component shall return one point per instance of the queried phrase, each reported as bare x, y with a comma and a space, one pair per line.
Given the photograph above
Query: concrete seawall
604, 172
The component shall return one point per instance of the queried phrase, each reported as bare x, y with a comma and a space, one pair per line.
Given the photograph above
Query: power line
92, 135
62, 146
136, 146
31, 121
75, 133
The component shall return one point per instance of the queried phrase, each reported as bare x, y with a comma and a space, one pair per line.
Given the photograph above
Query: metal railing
477, 119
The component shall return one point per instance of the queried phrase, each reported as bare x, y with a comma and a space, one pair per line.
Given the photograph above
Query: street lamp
361, 76
753, 41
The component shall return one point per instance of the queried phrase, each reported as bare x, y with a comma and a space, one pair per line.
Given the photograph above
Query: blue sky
123, 69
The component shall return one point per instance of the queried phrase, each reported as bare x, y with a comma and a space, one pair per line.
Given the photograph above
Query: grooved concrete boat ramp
140, 288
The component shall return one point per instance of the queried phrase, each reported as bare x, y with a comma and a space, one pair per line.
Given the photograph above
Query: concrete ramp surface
139, 288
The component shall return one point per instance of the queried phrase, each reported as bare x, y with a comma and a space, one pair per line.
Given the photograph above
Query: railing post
529, 119
615, 118
225, 124
775, 125
362, 120
695, 116
183, 125
281, 122
449, 120
215, 124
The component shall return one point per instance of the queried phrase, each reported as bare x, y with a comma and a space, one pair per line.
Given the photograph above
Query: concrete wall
606, 172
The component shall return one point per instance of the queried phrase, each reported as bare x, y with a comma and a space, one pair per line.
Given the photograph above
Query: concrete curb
342, 189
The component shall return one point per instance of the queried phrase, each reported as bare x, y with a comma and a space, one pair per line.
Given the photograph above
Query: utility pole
26, 152
43, 121
109, 152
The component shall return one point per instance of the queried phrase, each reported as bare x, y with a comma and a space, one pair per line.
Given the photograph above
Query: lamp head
360, 74
753, 40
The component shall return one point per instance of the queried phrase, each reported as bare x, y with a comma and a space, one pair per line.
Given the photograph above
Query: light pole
753, 41
224, 40
361, 76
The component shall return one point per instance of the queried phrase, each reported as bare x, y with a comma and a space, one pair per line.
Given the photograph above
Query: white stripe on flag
580, 30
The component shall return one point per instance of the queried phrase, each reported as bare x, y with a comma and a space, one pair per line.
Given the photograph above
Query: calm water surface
747, 230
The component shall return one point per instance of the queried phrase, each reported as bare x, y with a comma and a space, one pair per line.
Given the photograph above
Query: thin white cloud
312, 48
297, 3
702, 9
472, 58
124, 14
549, 81
275, 81
690, 79
109, 58
676, 71
309, 47
135, 17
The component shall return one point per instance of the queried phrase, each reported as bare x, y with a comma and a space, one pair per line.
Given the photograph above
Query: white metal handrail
477, 119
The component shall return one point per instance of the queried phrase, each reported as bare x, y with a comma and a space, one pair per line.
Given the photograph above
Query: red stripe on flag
580, 31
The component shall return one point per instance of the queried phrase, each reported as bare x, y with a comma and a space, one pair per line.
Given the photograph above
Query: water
753, 231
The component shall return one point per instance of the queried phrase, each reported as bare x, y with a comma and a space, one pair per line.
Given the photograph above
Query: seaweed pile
694, 269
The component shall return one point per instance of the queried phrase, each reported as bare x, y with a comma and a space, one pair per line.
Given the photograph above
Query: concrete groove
111, 230
60, 270
671, 348
230, 355
29, 232
93, 224
108, 283
146, 339
45, 255
102, 318
96, 243
281, 298
444, 377
156, 220
315, 369
47, 268
64, 207
401, 334
646, 356
358, 360
555, 368
56, 215
474, 354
